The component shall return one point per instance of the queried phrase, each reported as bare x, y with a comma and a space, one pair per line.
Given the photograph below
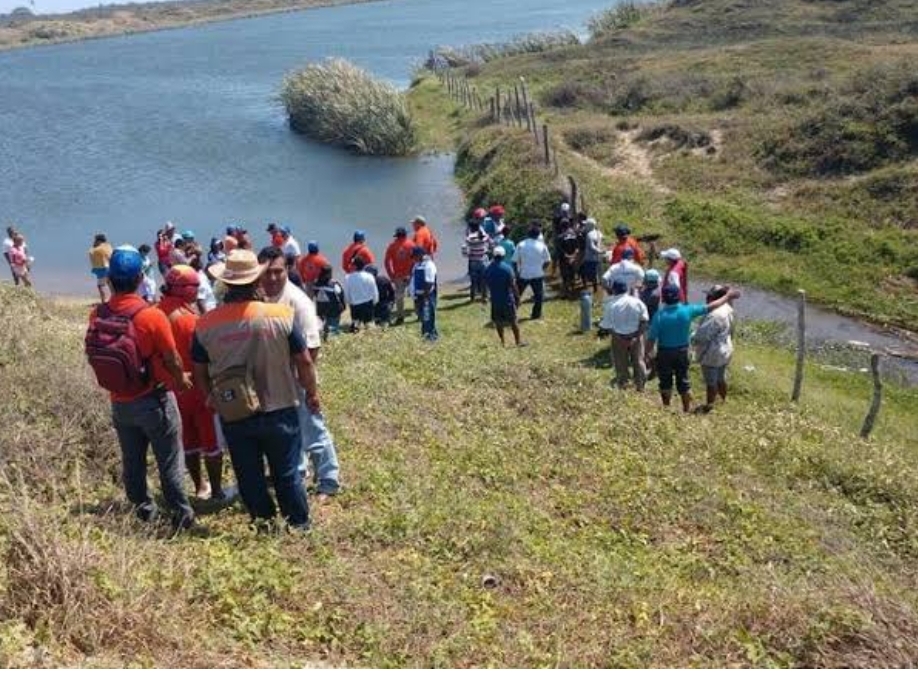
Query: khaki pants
401, 286
628, 353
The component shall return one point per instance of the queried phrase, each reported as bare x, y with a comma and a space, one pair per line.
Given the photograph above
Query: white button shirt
530, 256
623, 314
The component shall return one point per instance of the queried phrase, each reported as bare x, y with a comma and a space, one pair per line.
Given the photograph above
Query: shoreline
164, 26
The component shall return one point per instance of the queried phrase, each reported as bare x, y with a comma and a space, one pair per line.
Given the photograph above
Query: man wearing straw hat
242, 352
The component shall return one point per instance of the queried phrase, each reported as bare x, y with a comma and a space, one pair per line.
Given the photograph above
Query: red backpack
114, 353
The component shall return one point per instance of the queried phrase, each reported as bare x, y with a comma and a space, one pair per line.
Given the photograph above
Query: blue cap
312, 247
619, 286
372, 269
188, 234
622, 229
359, 235
418, 251
231, 230
126, 263
628, 253
285, 229
670, 294
652, 277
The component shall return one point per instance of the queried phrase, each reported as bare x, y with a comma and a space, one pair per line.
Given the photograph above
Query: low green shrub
623, 15
529, 43
336, 102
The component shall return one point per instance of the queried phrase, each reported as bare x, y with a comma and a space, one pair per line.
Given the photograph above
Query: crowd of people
222, 353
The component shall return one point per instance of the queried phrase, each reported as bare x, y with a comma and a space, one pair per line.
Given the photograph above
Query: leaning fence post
517, 110
493, 110
871, 418
573, 193
525, 110
801, 343
535, 126
545, 145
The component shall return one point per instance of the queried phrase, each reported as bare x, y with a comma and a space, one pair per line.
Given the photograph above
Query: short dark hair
129, 285
359, 263
270, 254
236, 293
99, 239
144, 249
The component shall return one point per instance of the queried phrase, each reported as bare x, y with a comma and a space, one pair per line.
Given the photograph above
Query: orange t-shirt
629, 243
398, 258
354, 250
425, 239
310, 265
154, 338
183, 321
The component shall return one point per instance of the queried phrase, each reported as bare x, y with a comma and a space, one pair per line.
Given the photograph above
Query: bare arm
202, 378
723, 300
173, 363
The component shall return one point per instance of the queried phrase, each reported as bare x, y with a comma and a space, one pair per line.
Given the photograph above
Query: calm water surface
122, 134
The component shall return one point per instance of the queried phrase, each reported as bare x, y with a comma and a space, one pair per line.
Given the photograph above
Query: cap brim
219, 271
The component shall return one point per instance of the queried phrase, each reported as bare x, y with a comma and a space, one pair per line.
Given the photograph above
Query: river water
119, 135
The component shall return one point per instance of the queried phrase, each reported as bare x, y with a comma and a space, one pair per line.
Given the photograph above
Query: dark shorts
362, 312
714, 375
673, 364
589, 270
503, 315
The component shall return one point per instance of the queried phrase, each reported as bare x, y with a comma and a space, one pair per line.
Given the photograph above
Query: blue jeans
332, 325
538, 294
477, 279
318, 446
427, 315
153, 420
274, 436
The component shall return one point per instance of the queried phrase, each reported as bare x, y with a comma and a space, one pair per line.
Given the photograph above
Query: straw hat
241, 268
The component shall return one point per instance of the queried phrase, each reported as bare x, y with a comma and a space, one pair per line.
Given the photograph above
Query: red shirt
154, 338
354, 250
398, 258
629, 243
183, 320
163, 252
309, 267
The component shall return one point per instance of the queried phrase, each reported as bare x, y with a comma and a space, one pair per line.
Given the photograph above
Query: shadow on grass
601, 359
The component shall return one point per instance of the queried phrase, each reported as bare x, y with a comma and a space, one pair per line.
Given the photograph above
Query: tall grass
621, 16
338, 103
529, 43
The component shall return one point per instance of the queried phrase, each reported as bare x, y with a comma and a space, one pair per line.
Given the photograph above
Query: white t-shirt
304, 313
626, 271
291, 247
206, 292
530, 256
360, 288
593, 251
623, 314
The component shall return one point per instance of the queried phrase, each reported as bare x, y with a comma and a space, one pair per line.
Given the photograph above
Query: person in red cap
423, 237
199, 435
497, 213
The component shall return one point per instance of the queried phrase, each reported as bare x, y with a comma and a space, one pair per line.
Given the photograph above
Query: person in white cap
501, 281
676, 272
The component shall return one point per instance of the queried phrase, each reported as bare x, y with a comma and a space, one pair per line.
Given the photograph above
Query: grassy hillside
775, 142
503, 507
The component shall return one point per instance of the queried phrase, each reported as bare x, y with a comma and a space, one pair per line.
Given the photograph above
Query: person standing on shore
310, 266
424, 292
592, 255
625, 317
289, 245
357, 248
626, 270
670, 329
361, 294
713, 343
399, 262
424, 237
624, 240
99, 256
243, 352
199, 435
18, 257
504, 299
532, 259
676, 272
131, 348
330, 302
475, 249
7, 247
318, 444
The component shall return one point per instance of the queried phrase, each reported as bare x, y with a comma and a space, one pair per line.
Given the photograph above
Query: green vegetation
471, 533
777, 143
529, 43
336, 102
21, 28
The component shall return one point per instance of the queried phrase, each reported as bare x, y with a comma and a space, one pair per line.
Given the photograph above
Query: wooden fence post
573, 194
871, 418
525, 110
535, 126
493, 110
545, 145
801, 344
517, 110
497, 99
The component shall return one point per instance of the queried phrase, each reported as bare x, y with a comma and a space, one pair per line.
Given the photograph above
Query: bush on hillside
459, 57
338, 103
871, 122
623, 15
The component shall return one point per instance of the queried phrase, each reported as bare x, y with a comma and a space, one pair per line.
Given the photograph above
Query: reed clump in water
338, 103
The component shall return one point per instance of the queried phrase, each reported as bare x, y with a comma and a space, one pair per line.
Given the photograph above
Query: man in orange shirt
310, 266
399, 264
626, 241
357, 248
199, 435
423, 237
131, 349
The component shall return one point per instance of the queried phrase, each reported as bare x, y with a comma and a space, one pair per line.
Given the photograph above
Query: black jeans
673, 363
538, 294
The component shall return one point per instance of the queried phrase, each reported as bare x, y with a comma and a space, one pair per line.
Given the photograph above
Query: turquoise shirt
671, 325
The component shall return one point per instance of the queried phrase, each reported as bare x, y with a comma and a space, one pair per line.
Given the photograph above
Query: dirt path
634, 162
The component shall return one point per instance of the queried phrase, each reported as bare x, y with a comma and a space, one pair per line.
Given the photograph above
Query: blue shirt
499, 277
672, 324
